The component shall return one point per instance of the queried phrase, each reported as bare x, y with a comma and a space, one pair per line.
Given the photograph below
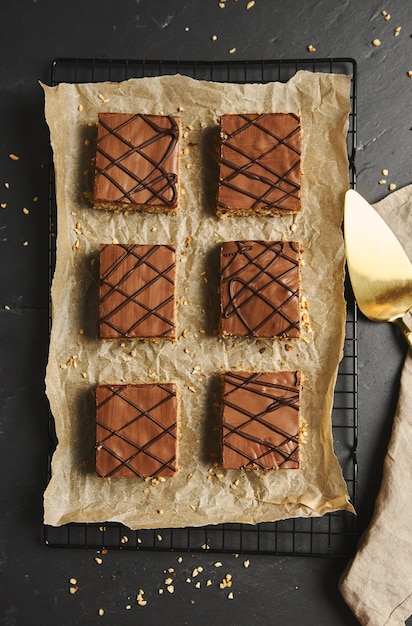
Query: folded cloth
377, 583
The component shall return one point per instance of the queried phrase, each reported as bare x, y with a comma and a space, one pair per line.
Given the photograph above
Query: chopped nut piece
382, 181
311, 48
246, 563
101, 612
73, 589
250, 4
397, 30
230, 595
3, 205
73, 581
25, 211
232, 50
14, 157
410, 73
385, 172
218, 564
25, 243
198, 585
214, 38
170, 588
168, 581
392, 187
98, 560
376, 43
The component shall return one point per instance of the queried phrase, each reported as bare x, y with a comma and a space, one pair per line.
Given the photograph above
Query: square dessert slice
136, 430
260, 420
260, 289
259, 164
137, 291
137, 162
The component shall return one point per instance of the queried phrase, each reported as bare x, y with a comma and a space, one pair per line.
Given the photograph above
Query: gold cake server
379, 269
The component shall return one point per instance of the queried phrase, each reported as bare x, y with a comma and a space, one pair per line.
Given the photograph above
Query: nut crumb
25, 211
14, 157
376, 43
101, 612
170, 588
410, 73
214, 38
232, 50
250, 4
382, 181
392, 187
246, 563
230, 595
73, 581
73, 589
397, 30
311, 48
98, 560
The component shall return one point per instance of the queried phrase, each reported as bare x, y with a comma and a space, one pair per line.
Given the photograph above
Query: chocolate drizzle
136, 160
260, 421
260, 289
137, 291
136, 430
259, 164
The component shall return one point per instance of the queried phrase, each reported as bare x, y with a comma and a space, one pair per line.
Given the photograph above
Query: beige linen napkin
377, 584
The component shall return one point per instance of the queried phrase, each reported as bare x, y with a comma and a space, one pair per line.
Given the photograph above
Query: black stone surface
35, 580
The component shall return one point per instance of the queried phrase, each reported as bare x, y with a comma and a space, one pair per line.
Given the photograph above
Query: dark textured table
35, 579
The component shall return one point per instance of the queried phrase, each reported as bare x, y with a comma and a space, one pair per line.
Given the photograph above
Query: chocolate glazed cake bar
259, 164
137, 162
259, 289
260, 420
137, 291
136, 430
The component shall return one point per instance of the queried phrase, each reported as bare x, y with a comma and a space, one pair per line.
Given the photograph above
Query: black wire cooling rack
334, 534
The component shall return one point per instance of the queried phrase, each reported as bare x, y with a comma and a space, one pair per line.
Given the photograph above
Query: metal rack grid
334, 534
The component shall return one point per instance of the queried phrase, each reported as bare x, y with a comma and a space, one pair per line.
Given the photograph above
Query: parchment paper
201, 492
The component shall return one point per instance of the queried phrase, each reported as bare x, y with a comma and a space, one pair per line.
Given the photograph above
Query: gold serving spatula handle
405, 324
